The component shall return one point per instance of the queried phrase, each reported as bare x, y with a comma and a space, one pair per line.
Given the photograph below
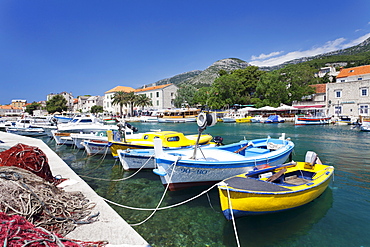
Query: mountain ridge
207, 76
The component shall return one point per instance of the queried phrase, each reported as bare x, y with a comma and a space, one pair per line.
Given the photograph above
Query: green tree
96, 109
119, 98
285, 85
238, 87
33, 106
130, 99
185, 94
56, 104
143, 101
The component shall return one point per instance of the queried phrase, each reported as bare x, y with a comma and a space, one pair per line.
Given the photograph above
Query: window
338, 93
364, 91
338, 109
359, 79
363, 110
151, 95
157, 94
157, 102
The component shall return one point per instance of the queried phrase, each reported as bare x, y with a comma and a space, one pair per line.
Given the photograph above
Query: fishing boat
93, 147
26, 131
274, 189
365, 123
309, 119
257, 119
274, 119
133, 159
200, 166
170, 140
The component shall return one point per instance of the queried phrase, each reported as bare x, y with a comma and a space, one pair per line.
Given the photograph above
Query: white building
350, 94
162, 96
67, 96
108, 100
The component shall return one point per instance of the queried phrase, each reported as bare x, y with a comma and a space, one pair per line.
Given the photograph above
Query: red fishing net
16, 231
29, 158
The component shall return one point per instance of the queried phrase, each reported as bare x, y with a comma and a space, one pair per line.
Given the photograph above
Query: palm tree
119, 98
143, 101
130, 99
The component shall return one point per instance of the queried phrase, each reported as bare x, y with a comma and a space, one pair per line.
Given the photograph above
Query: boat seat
256, 151
276, 175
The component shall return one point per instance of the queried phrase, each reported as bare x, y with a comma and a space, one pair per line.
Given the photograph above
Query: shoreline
110, 227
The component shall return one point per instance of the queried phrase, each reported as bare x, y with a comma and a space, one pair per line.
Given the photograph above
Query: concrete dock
110, 227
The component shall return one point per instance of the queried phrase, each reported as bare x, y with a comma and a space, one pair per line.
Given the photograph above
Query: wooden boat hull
254, 198
311, 120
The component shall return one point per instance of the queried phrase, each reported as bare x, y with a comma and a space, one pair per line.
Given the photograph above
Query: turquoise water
339, 217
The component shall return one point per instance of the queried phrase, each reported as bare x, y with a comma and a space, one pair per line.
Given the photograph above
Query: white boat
82, 124
211, 165
258, 119
93, 147
28, 131
30, 126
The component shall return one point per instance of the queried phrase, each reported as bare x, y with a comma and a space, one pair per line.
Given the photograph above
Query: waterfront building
350, 94
108, 105
18, 103
67, 96
162, 96
9, 110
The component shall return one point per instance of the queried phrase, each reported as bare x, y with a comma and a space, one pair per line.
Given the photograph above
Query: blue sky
90, 46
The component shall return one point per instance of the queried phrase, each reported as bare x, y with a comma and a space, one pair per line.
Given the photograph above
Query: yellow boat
246, 119
274, 189
170, 140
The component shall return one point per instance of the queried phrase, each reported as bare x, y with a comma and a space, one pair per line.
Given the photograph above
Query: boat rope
160, 201
162, 208
232, 216
120, 179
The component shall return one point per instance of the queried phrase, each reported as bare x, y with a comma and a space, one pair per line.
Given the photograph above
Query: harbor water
339, 217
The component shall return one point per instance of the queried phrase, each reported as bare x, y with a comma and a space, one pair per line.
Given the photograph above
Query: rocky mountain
211, 73
358, 49
208, 75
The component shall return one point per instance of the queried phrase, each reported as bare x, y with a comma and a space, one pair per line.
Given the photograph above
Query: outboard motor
218, 140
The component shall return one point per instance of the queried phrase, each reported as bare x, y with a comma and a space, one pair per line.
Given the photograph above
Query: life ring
206, 119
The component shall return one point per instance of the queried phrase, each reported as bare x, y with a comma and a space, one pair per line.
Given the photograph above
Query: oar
252, 173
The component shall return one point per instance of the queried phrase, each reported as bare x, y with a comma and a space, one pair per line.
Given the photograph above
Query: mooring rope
162, 208
232, 216
161, 200
121, 179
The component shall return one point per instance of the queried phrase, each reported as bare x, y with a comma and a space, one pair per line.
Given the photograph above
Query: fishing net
29, 158
42, 203
16, 231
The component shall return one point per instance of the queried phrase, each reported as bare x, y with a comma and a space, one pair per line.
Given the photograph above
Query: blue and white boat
205, 166
274, 119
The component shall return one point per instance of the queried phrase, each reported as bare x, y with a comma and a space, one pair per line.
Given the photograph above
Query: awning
308, 106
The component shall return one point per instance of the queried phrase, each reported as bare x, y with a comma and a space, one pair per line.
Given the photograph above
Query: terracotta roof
152, 88
9, 107
120, 88
360, 70
319, 88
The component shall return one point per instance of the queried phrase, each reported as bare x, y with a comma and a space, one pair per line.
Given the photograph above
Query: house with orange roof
9, 110
162, 96
354, 74
350, 95
108, 105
